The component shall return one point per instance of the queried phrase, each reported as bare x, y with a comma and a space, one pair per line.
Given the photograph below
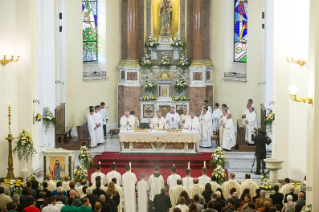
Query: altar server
136, 121
174, 193
96, 174
231, 183
156, 182
217, 114
209, 108
113, 174
172, 179
206, 128
202, 180
192, 123
188, 180
158, 122
172, 119
142, 187
221, 128
183, 118
225, 107
127, 122
104, 116
98, 133
249, 122
129, 180
229, 139
92, 127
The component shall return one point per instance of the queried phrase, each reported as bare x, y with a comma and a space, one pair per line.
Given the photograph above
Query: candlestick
9, 116
130, 164
99, 162
204, 164
10, 173
189, 165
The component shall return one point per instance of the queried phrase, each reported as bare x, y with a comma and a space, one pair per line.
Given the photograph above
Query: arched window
240, 31
89, 26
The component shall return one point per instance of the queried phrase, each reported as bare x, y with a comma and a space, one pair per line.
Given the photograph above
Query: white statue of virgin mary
165, 12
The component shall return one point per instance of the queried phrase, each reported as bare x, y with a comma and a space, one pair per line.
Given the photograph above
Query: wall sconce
294, 96
4, 60
299, 62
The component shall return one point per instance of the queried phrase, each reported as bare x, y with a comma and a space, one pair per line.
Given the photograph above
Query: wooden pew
62, 132
83, 133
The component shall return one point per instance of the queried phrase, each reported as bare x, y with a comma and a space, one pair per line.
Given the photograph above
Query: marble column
197, 34
132, 33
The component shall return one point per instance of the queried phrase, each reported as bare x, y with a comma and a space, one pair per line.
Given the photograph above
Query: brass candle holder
10, 174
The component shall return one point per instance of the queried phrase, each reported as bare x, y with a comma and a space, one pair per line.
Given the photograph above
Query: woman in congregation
193, 208
186, 197
289, 206
181, 205
112, 189
207, 192
40, 200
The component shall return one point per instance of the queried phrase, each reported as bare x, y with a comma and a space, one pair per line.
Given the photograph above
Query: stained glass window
240, 31
89, 26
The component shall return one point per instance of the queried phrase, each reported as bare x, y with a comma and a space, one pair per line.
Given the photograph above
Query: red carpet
145, 163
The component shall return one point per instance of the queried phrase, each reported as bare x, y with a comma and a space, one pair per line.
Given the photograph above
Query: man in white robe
113, 174
156, 182
214, 184
127, 122
92, 127
231, 183
183, 119
136, 121
175, 192
96, 174
172, 119
158, 122
98, 133
229, 139
206, 128
285, 189
188, 180
172, 179
225, 107
249, 184
252, 104
209, 108
142, 188
51, 183
195, 189
104, 117
202, 180
128, 181
192, 123
249, 122
221, 128
217, 114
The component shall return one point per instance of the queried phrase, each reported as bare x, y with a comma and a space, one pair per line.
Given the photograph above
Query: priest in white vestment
172, 119
127, 122
172, 179
249, 184
128, 181
188, 180
96, 174
214, 184
206, 128
192, 123
229, 139
51, 183
231, 183
175, 192
225, 107
113, 174
142, 188
249, 123
202, 180
285, 189
217, 115
136, 121
98, 133
104, 117
156, 182
195, 189
221, 128
252, 104
183, 119
158, 122
209, 108
92, 127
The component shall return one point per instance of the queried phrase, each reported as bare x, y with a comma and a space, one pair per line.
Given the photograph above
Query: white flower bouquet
48, 118
180, 85
80, 173
24, 148
269, 120
85, 157
165, 62
147, 98
146, 61
266, 186
151, 43
183, 62
178, 43
218, 158
307, 208
219, 173
15, 185
149, 85
180, 98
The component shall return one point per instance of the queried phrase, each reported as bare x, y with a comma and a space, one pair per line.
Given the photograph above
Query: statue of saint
165, 12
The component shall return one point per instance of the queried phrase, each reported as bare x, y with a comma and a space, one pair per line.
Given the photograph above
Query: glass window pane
89, 51
240, 30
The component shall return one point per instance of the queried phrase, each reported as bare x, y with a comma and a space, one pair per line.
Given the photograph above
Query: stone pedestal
273, 165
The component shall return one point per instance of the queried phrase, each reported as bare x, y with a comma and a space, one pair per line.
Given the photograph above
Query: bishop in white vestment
158, 122
183, 119
174, 193
231, 183
202, 180
142, 188
172, 179
98, 133
217, 114
172, 119
92, 127
188, 180
206, 129
192, 123
127, 122
249, 122
229, 139
129, 180
156, 182
113, 174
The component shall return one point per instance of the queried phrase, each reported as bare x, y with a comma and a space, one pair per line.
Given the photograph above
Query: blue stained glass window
240, 31
89, 27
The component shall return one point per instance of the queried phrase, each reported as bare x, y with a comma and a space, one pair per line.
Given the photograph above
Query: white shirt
96, 174
172, 180
142, 187
209, 110
172, 123
50, 208
188, 182
202, 180
113, 174
104, 115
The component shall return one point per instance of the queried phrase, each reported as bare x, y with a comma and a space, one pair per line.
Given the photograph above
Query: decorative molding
234, 74
92, 72
237, 73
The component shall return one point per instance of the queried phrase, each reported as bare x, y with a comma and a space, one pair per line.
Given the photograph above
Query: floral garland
151, 43
266, 186
85, 157
80, 173
183, 62
180, 85
47, 117
219, 173
146, 61
268, 121
149, 85
218, 158
147, 98
178, 43
24, 148
38, 117
165, 62
15, 186
180, 98
307, 208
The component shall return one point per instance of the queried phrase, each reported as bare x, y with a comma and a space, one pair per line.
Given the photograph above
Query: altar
153, 141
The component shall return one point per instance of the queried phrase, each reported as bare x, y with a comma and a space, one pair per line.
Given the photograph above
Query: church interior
59, 57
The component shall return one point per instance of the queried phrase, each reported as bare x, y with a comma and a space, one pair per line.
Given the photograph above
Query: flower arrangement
24, 148
218, 158
180, 98
265, 177
165, 62
266, 186
85, 157
147, 98
269, 120
307, 208
48, 118
183, 62
38, 117
80, 173
14, 185
219, 173
151, 43
178, 43
149, 85
180, 85
146, 61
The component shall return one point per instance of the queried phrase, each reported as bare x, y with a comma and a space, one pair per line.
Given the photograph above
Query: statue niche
165, 12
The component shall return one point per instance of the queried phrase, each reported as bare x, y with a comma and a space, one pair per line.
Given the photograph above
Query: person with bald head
231, 183
195, 189
301, 199
175, 192
172, 119
229, 139
51, 183
127, 122
192, 123
183, 118
76, 200
158, 122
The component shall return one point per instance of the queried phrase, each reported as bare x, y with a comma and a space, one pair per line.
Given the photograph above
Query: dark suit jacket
111, 203
47, 193
76, 202
217, 206
105, 207
277, 198
209, 210
98, 192
301, 202
260, 141
162, 203
92, 199
294, 197
222, 202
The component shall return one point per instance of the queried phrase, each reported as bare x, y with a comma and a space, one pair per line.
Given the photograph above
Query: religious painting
180, 108
148, 111
57, 167
240, 31
164, 109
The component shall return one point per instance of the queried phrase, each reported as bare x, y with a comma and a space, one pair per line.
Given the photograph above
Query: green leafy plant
24, 148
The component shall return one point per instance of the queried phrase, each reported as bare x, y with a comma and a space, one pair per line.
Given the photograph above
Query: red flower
87, 43
87, 33
90, 44
83, 36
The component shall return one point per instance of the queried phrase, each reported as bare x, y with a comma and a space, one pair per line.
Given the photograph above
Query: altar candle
99, 162
189, 165
130, 165
9, 116
205, 164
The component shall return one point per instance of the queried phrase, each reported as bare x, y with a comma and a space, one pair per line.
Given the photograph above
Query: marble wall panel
124, 28
131, 76
206, 29
132, 100
210, 95
120, 101
140, 29
190, 29
197, 76
197, 97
